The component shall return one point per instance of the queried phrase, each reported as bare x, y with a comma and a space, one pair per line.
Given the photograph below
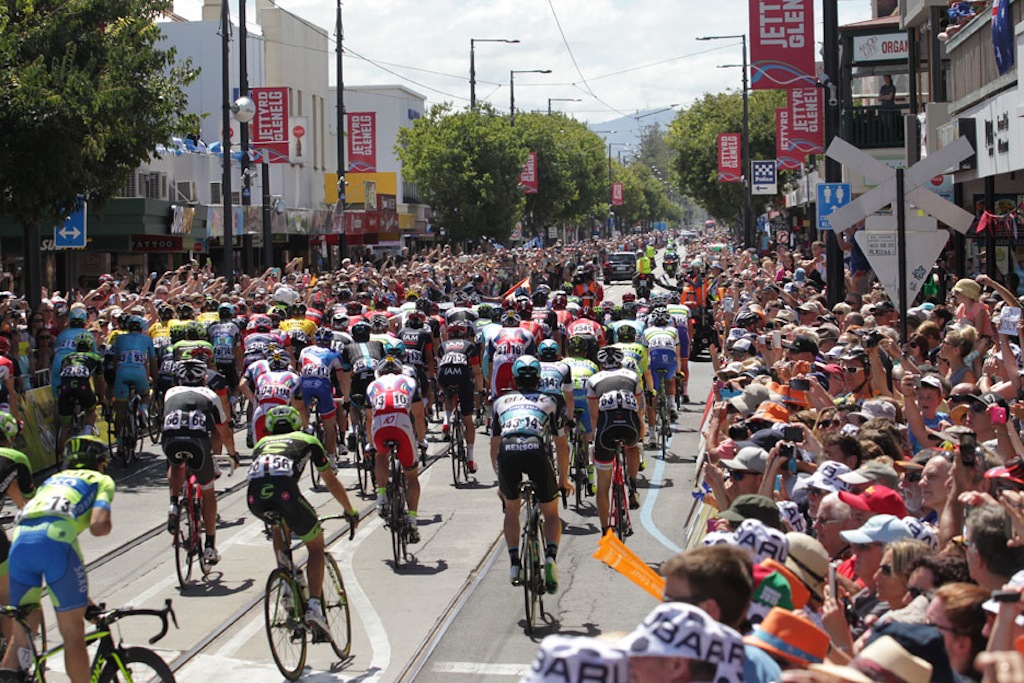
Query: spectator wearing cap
736, 476
804, 347
754, 506
868, 542
808, 560
719, 580
989, 560
577, 658
698, 649
957, 611
823, 481
885, 314
922, 396
874, 473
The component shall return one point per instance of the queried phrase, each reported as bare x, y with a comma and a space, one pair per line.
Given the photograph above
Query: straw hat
884, 656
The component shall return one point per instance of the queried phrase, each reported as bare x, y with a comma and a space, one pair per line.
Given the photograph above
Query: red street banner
616, 194
806, 120
362, 142
528, 178
269, 128
730, 159
788, 159
781, 44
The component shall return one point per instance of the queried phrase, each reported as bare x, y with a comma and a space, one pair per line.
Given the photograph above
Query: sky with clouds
616, 56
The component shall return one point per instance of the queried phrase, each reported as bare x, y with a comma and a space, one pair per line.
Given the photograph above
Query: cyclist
419, 352
320, 367
459, 367
191, 412
18, 485
76, 370
635, 357
277, 464
224, 435
358, 364
555, 377
391, 397
509, 343
65, 344
524, 420
277, 385
195, 337
590, 328
614, 397
134, 364
45, 546
298, 328
160, 331
680, 315
582, 368
642, 277
224, 336
663, 345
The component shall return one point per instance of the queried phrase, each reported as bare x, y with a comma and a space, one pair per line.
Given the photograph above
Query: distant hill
628, 127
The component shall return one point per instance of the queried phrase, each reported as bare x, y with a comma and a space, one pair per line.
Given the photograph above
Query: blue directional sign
71, 234
765, 177
831, 196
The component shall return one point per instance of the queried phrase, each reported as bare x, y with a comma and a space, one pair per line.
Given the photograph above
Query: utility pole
833, 169
340, 208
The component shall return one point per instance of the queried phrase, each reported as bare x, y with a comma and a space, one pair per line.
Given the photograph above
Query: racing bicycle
531, 568
316, 428
579, 461
189, 533
619, 510
395, 509
362, 458
284, 606
457, 447
663, 414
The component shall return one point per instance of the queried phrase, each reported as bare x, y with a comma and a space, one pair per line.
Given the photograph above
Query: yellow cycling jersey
307, 327
112, 337
159, 330
634, 357
208, 317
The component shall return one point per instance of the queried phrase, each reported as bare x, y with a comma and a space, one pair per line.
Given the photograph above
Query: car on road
619, 266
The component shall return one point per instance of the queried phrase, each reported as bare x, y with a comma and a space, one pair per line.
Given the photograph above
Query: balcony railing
874, 127
972, 63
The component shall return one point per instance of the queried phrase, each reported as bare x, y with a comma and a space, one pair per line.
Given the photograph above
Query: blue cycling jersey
133, 350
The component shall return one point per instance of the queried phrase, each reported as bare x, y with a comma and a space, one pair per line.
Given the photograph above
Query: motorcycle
671, 265
642, 284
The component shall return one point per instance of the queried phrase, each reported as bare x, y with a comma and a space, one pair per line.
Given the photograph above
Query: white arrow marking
64, 232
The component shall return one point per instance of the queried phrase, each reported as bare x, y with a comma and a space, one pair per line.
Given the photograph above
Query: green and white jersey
70, 496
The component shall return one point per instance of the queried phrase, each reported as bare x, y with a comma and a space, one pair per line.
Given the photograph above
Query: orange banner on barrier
616, 555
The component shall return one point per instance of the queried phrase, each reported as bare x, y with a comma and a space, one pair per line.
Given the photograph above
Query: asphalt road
450, 614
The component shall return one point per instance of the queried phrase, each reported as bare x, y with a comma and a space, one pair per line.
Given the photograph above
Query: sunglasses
829, 424
913, 477
852, 370
736, 476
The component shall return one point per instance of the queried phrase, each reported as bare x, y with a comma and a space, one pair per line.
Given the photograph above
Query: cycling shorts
130, 376
502, 381
519, 455
614, 425
663, 361
461, 378
195, 451
47, 548
321, 389
279, 497
359, 385
580, 404
84, 396
163, 383
395, 427
684, 341
230, 372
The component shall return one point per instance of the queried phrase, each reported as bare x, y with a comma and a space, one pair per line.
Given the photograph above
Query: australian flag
1002, 35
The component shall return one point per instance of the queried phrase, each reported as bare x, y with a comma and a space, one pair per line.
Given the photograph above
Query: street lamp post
748, 225
561, 99
512, 89
339, 208
611, 188
472, 64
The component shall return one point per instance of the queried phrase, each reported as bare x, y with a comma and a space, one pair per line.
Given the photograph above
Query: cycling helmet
324, 336
609, 357
83, 342
353, 308
380, 302
339, 321
77, 317
259, 306
185, 311
86, 452
344, 295
415, 319
395, 348
260, 323
526, 371
484, 310
629, 310
540, 299
190, 373
9, 426
524, 306
625, 333
360, 331
379, 323
510, 319
226, 311
458, 330
283, 420
201, 353
542, 289
134, 323
548, 350
577, 345
297, 310
209, 305
660, 317
194, 331
559, 300
412, 294
424, 305
165, 312
389, 365
277, 360
628, 296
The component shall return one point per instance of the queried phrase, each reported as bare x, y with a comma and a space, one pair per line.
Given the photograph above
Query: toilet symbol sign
831, 196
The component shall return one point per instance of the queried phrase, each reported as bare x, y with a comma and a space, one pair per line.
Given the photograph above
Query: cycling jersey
457, 358
419, 345
613, 329
391, 398
160, 333
300, 331
190, 416
634, 357
76, 373
581, 370
183, 349
663, 345
529, 414
45, 544
360, 359
14, 467
286, 455
272, 388
508, 344
63, 345
555, 379
525, 422
618, 416
317, 368
256, 345
224, 339
133, 352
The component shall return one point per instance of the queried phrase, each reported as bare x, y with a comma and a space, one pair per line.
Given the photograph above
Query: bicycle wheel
155, 413
461, 451
396, 518
134, 664
579, 463
362, 462
286, 632
619, 514
533, 577
457, 450
184, 546
336, 609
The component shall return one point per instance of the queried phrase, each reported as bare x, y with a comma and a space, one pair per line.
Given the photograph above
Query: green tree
693, 135
467, 164
86, 94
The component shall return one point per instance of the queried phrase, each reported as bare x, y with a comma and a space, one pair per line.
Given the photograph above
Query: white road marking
481, 669
373, 625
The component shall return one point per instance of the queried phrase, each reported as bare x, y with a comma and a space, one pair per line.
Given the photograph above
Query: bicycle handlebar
105, 618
